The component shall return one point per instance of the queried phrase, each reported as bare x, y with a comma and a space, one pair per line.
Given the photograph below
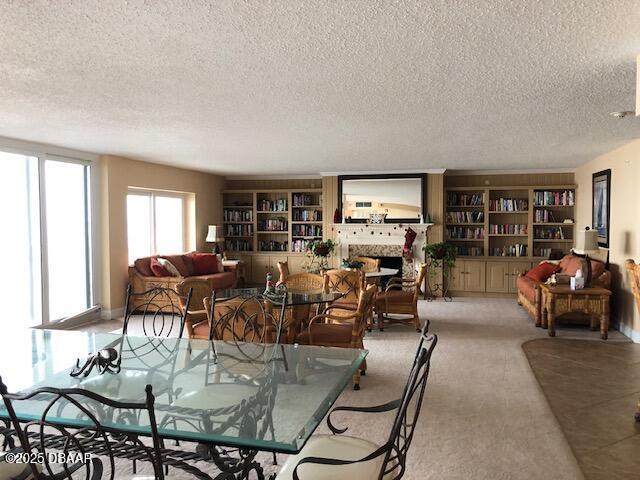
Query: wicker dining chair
369, 264
197, 314
283, 269
93, 435
162, 311
401, 297
342, 457
345, 329
298, 316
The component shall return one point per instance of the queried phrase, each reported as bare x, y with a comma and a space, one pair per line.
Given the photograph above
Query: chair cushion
201, 330
339, 447
570, 265
159, 268
179, 263
527, 287
327, 334
542, 271
10, 471
204, 263
597, 269
395, 296
143, 266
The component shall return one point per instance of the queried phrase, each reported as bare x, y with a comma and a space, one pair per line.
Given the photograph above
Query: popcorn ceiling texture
302, 87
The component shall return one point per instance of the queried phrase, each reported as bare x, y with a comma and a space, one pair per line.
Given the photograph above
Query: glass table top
292, 297
258, 396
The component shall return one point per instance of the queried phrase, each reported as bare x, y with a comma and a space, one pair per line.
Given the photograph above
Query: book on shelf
508, 229
303, 199
273, 225
279, 205
468, 233
544, 216
554, 198
465, 199
232, 230
238, 245
272, 246
549, 233
307, 231
466, 251
517, 250
231, 215
508, 205
307, 215
301, 245
465, 217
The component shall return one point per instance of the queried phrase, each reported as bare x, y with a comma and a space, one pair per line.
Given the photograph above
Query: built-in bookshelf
284, 220
532, 222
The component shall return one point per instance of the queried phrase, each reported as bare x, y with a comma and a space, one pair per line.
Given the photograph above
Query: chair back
409, 410
95, 431
420, 274
304, 282
251, 320
283, 269
348, 282
200, 289
162, 310
369, 264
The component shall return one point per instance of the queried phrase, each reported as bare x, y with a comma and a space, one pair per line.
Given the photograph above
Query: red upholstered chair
401, 297
343, 330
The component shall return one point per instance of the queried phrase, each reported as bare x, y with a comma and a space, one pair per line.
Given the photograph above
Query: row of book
465, 217
307, 216
272, 246
279, 205
546, 198
465, 199
301, 245
460, 233
466, 251
543, 252
273, 225
239, 245
307, 231
244, 215
549, 233
508, 205
302, 199
508, 229
544, 216
517, 250
238, 230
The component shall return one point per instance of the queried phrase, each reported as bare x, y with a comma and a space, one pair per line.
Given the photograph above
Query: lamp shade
213, 234
586, 241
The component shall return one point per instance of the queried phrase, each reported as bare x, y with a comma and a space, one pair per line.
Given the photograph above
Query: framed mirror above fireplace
396, 198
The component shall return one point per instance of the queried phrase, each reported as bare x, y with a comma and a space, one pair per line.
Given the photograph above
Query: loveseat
203, 266
530, 294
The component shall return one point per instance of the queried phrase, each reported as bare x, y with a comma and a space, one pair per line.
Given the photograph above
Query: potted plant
440, 255
351, 264
317, 254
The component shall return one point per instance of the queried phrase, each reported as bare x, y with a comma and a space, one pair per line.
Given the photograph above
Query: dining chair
196, 321
97, 433
251, 319
401, 298
283, 269
342, 457
160, 309
369, 264
347, 282
298, 316
345, 329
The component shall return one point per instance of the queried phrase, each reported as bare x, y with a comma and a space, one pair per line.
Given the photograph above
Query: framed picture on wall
601, 212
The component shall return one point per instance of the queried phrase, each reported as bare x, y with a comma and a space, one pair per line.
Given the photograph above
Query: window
45, 208
155, 223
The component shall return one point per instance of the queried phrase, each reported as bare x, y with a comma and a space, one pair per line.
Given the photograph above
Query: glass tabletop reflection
290, 297
259, 396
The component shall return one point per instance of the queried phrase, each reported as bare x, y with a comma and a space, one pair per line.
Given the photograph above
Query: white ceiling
292, 87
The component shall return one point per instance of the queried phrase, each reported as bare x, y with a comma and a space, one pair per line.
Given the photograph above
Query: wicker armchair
344, 330
401, 297
297, 317
196, 322
348, 282
369, 264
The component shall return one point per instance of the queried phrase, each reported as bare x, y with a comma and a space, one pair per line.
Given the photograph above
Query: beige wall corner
117, 175
624, 241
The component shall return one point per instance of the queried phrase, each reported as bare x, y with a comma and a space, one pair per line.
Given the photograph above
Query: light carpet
484, 415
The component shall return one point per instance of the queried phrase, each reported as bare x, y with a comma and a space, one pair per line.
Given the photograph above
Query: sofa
530, 294
202, 266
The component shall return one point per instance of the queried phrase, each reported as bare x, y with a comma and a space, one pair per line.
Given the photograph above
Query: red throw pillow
541, 272
204, 263
158, 269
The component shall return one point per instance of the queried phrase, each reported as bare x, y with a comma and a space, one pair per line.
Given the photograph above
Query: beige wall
117, 174
624, 241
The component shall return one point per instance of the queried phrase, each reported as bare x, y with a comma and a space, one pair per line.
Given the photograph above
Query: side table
237, 267
560, 299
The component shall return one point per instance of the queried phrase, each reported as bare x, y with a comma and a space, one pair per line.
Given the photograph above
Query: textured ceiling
297, 87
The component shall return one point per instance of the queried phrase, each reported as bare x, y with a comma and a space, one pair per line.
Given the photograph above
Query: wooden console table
238, 268
560, 299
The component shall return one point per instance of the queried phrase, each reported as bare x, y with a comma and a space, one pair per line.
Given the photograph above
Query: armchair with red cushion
528, 283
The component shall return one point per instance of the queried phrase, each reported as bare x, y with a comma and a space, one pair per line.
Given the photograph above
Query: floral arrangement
349, 263
317, 254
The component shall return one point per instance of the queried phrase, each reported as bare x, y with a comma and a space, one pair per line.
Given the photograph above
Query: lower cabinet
468, 276
262, 264
492, 276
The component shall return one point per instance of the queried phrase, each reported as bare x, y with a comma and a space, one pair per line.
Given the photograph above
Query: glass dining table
253, 397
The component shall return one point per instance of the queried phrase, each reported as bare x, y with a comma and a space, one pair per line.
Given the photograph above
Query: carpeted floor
484, 416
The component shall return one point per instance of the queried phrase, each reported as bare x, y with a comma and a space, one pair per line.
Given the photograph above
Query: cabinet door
498, 277
516, 269
475, 276
246, 272
260, 266
457, 275
295, 263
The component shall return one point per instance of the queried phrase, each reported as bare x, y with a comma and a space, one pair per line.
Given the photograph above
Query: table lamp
586, 242
214, 237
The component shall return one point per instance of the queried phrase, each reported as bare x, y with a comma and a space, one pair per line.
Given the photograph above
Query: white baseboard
627, 331
112, 314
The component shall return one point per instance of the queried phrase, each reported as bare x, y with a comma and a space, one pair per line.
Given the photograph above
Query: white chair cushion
9, 471
339, 447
